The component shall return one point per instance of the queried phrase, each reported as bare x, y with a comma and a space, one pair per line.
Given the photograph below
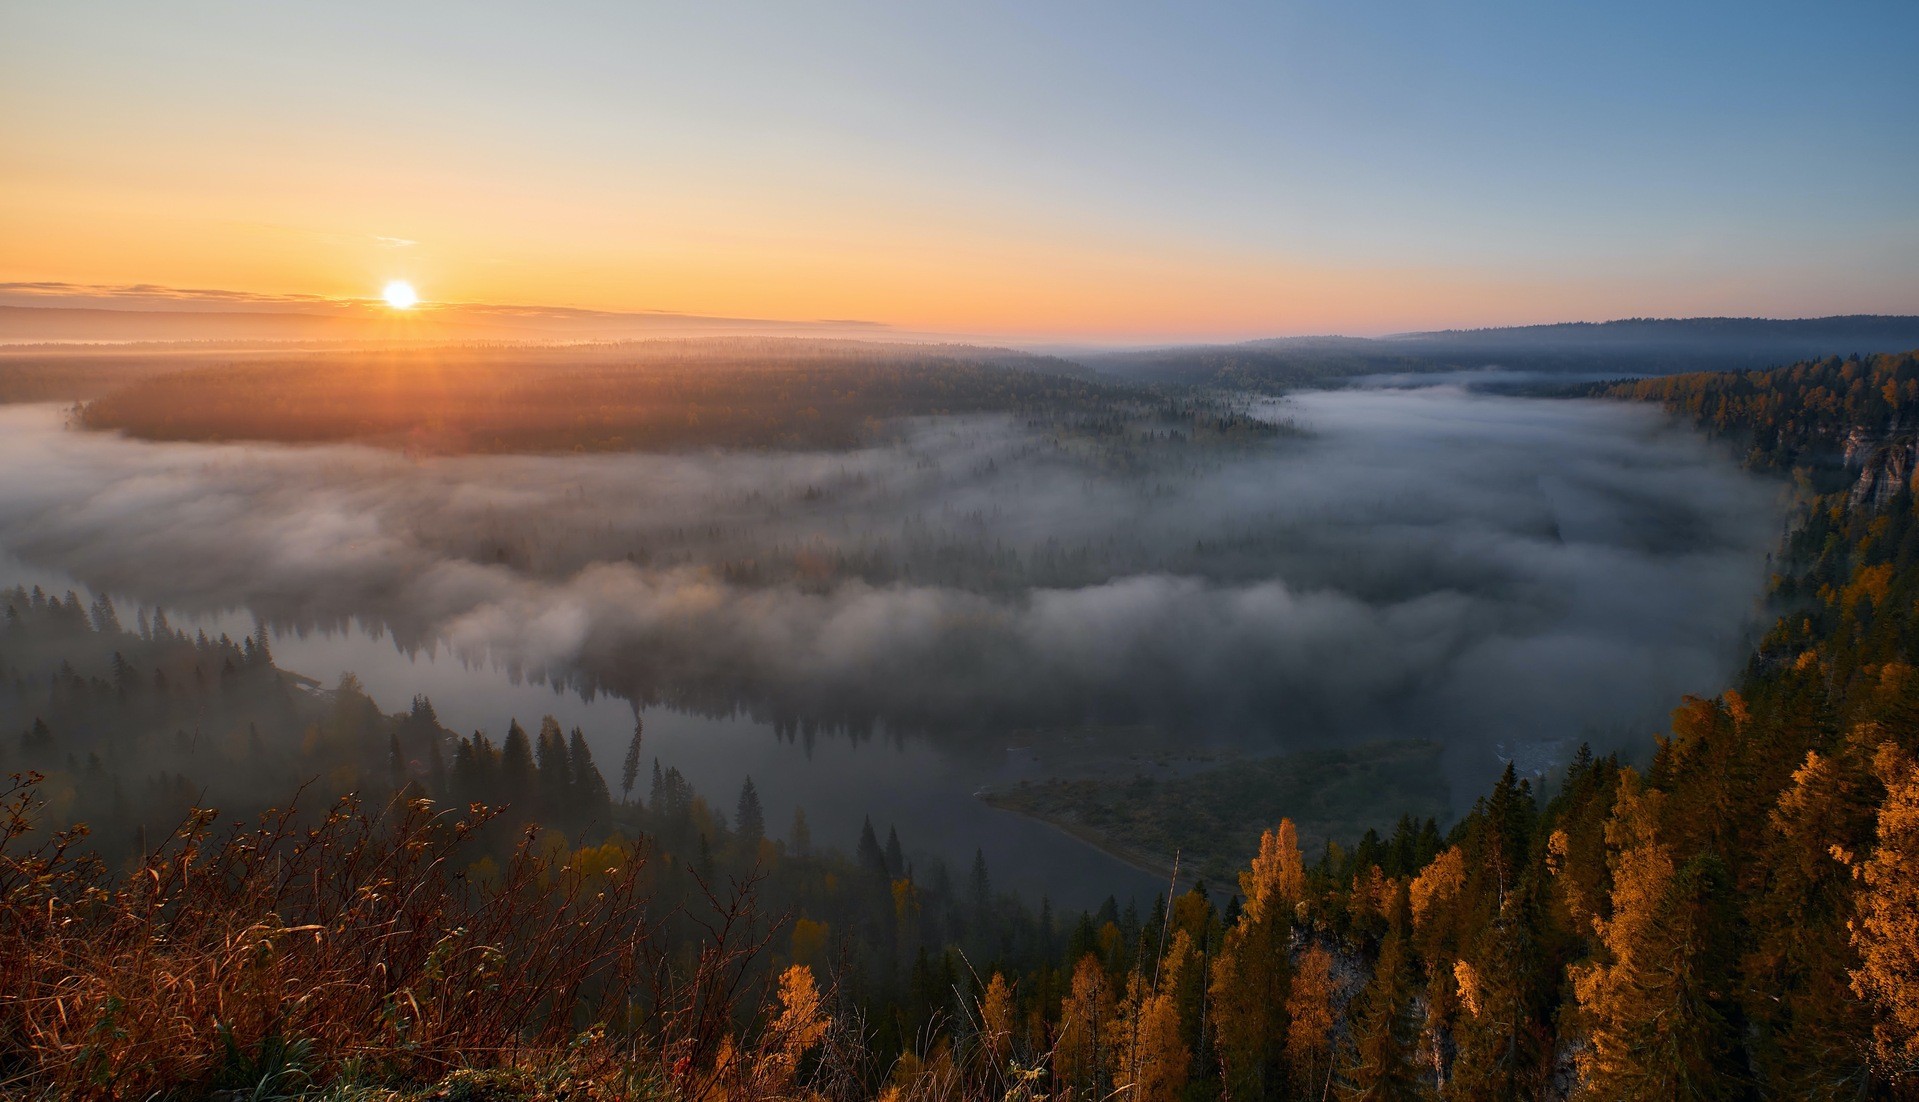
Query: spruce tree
589, 787
555, 772
630, 769
519, 779
871, 857
750, 819
802, 834
979, 887
1384, 1065
895, 856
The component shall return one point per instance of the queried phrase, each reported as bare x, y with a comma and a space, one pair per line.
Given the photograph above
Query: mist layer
1491, 571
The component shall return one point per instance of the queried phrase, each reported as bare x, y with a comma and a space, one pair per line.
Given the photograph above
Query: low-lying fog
1482, 569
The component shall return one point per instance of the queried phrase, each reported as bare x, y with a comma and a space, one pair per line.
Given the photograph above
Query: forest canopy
642, 396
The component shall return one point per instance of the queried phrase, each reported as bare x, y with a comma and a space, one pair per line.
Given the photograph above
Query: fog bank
1486, 570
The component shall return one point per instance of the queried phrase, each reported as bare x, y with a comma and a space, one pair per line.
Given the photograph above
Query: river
1487, 570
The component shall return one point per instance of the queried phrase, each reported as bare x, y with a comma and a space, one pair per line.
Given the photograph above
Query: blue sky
1505, 161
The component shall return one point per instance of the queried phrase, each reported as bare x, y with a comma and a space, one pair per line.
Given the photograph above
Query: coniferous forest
381, 904
1265, 551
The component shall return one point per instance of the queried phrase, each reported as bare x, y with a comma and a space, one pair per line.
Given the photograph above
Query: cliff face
1886, 465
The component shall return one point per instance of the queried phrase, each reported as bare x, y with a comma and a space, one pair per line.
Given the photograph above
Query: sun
399, 294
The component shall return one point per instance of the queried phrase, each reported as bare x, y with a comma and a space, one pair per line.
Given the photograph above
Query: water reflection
1480, 570
920, 787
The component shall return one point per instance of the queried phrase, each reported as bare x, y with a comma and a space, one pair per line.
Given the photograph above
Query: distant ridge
1716, 323
348, 321
1629, 346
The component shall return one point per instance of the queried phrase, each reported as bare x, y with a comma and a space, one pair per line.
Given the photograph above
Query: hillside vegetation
641, 396
1737, 919
1648, 346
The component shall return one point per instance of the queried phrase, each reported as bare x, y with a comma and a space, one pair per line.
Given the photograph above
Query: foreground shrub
353, 939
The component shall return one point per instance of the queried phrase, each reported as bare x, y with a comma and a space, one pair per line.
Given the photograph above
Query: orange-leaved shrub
356, 937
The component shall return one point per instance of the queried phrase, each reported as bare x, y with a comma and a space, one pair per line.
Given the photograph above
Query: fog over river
1490, 571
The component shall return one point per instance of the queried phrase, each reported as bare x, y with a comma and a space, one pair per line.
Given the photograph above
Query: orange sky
923, 271
281, 228
989, 173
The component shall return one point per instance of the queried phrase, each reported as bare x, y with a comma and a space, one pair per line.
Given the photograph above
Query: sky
1106, 169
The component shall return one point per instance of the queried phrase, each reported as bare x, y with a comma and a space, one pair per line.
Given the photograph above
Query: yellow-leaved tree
799, 1026
1886, 931
1150, 1059
1085, 1029
1312, 1014
1654, 1030
1248, 986
996, 1021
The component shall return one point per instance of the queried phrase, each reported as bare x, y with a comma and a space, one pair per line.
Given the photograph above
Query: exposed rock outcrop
1886, 465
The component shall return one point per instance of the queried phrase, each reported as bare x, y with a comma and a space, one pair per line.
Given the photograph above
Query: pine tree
554, 770
802, 835
979, 886
262, 653
1652, 1001
750, 819
420, 733
105, 620
589, 787
630, 770
871, 857
1249, 981
1804, 1018
1887, 933
895, 857
1503, 1047
464, 786
519, 778
1384, 1065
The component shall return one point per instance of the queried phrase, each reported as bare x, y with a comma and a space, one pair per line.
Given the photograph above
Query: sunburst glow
400, 295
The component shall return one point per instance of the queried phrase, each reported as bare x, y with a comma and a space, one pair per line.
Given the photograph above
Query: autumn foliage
1732, 912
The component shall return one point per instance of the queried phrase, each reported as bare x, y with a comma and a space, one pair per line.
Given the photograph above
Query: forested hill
1799, 415
1640, 346
1705, 341
1739, 919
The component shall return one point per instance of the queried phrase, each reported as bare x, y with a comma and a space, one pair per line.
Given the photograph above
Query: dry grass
347, 943
352, 956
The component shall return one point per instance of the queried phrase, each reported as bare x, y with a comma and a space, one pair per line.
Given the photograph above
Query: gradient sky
1096, 169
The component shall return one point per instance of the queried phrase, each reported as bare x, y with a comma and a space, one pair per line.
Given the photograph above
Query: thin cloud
555, 321
146, 296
